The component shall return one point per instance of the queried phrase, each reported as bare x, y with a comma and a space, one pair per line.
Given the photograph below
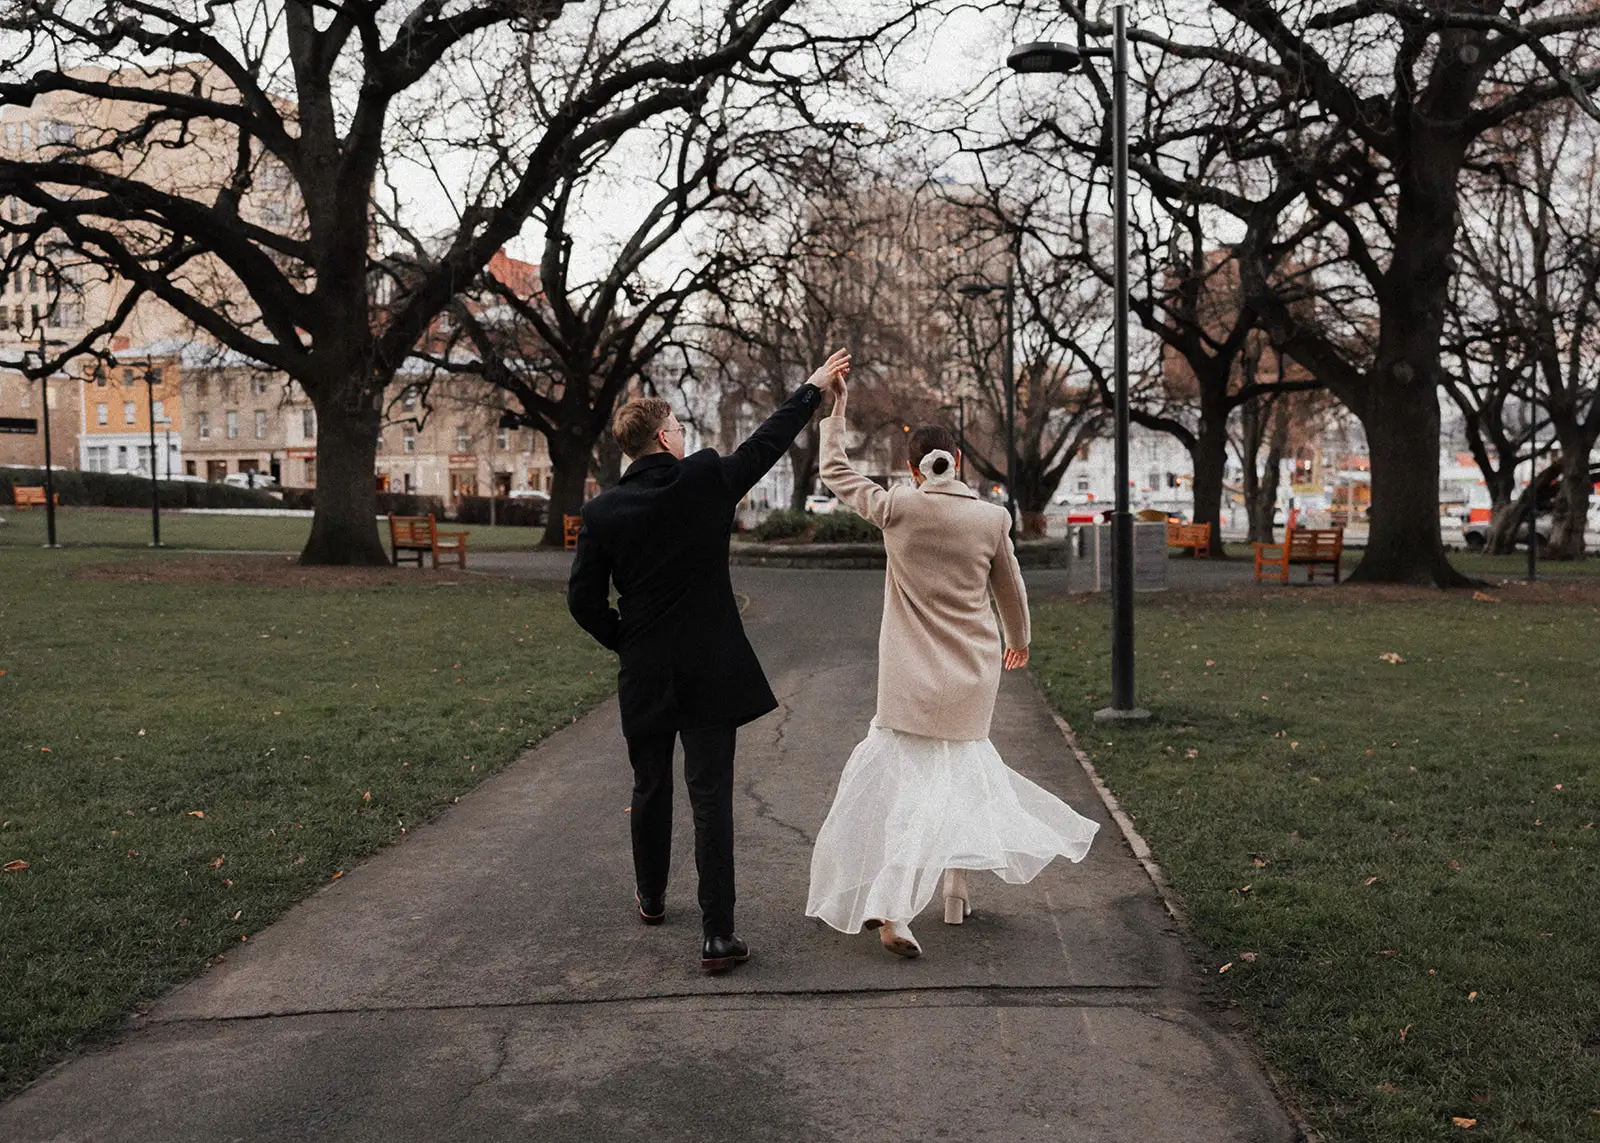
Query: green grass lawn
181, 762
130, 528
1407, 849
1514, 566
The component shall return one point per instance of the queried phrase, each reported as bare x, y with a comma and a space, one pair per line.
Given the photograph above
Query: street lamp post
150, 377
1008, 370
1059, 58
49, 463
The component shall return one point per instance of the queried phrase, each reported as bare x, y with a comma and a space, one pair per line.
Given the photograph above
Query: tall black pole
1533, 479
1010, 370
155, 489
961, 435
49, 477
1122, 518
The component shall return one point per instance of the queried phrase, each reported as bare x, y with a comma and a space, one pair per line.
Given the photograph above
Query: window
101, 417
311, 472
260, 384
261, 424
308, 424
1153, 480
462, 441
33, 281
233, 424
5, 314
127, 378
127, 413
502, 440
122, 457
203, 425
408, 398
202, 386
98, 457
160, 411
1083, 484
380, 442
409, 442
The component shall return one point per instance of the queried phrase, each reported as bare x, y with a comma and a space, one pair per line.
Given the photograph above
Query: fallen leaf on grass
1369, 881
1463, 1122
1403, 1032
16, 866
45, 750
1471, 996
194, 813
1387, 1088
237, 915
1191, 753
337, 875
367, 797
1224, 968
1248, 957
217, 864
1485, 597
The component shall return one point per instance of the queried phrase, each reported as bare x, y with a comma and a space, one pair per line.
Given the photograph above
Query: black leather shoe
652, 910
722, 953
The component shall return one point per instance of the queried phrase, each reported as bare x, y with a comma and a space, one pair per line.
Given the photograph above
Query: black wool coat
661, 535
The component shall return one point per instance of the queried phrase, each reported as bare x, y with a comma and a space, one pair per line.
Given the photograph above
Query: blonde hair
635, 425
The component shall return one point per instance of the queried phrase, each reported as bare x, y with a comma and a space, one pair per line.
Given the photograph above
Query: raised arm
589, 591
750, 461
1011, 597
859, 492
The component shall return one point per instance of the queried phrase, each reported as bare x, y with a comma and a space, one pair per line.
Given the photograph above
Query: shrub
783, 524
519, 513
80, 489
843, 527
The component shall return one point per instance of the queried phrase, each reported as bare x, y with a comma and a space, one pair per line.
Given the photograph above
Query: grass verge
1381, 814
183, 761
130, 528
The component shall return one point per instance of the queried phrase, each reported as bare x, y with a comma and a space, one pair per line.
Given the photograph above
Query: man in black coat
687, 671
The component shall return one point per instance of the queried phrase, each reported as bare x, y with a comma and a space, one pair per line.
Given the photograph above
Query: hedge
116, 490
520, 513
842, 527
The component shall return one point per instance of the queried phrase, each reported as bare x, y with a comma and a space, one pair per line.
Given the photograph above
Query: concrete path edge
1169, 898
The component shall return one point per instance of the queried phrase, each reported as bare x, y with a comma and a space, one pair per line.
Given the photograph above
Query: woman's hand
830, 376
1016, 657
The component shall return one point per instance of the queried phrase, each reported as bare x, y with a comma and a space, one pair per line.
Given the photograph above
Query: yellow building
118, 404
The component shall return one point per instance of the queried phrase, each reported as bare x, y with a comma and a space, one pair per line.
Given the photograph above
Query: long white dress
909, 806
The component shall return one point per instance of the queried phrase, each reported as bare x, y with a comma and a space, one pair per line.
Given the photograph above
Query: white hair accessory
929, 464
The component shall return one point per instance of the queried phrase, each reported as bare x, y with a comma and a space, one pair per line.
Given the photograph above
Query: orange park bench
30, 496
1308, 547
1194, 536
569, 530
414, 535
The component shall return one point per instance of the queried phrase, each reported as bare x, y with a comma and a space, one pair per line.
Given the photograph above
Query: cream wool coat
939, 649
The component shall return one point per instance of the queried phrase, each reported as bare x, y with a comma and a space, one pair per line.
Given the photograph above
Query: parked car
529, 494
821, 504
1475, 533
250, 480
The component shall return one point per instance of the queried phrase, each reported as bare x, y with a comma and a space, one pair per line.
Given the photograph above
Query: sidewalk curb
1169, 899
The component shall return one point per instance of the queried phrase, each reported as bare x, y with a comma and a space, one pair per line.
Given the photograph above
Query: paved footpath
486, 978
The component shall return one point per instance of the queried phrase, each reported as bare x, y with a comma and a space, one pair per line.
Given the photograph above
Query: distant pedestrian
925, 797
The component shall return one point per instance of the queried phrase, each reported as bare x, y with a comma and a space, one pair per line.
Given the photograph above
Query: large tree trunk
1506, 519
344, 529
571, 448
805, 457
1404, 544
606, 462
1261, 489
1571, 510
1400, 411
1210, 459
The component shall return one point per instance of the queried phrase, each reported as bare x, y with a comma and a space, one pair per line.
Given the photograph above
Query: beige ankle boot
957, 904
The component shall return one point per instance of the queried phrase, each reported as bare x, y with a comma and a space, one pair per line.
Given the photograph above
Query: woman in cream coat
925, 795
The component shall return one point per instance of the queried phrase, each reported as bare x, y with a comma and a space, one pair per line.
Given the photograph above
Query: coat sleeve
859, 492
1010, 593
750, 461
589, 591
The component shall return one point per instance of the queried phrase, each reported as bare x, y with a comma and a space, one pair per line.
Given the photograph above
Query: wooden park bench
569, 530
1194, 536
415, 535
30, 496
1308, 547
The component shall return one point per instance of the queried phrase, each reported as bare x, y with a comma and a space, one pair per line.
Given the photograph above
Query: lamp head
1045, 56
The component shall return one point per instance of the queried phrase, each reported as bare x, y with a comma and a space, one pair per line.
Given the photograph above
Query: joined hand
830, 376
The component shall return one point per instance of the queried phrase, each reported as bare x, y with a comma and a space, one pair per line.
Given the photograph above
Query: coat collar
948, 488
647, 462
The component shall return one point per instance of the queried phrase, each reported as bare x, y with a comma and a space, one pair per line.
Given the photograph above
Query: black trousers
708, 773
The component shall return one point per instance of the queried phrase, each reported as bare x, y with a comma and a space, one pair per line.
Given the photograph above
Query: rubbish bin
1149, 556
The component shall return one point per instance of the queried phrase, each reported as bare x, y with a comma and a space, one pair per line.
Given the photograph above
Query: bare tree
293, 103
1525, 320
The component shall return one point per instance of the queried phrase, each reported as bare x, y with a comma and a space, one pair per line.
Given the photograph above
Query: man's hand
830, 376
1016, 657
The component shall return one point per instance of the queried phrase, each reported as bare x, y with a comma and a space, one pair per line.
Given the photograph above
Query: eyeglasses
672, 429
